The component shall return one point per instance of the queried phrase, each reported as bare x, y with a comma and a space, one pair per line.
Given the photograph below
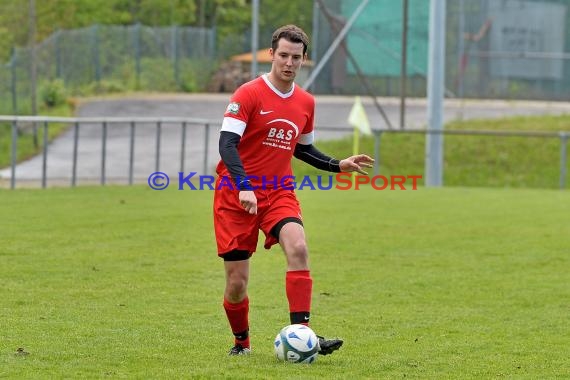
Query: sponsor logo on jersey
281, 135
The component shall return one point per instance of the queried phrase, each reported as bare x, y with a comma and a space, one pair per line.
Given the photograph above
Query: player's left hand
356, 163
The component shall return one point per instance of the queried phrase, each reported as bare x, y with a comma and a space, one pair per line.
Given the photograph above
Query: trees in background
230, 17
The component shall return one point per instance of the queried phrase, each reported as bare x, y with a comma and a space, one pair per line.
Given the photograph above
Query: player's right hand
248, 200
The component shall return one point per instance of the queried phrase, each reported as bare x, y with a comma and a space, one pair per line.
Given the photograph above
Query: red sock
298, 286
238, 316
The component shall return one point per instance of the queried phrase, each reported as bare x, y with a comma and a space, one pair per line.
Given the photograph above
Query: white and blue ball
296, 344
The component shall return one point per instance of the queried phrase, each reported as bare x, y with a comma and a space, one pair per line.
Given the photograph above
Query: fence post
14, 80
212, 42
57, 46
103, 153
174, 44
434, 151
138, 55
44, 156
158, 135
95, 42
131, 152
183, 147
563, 158
75, 144
206, 139
14, 155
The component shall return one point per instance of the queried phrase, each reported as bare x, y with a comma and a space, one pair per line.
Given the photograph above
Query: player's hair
291, 33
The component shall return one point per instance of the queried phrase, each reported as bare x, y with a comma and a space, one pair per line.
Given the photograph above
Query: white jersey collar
275, 90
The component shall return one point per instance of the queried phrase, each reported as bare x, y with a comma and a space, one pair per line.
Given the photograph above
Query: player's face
287, 59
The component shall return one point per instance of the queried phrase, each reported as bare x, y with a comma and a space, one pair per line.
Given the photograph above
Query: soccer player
267, 121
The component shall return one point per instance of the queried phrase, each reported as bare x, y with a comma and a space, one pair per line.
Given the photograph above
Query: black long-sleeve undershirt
229, 153
314, 157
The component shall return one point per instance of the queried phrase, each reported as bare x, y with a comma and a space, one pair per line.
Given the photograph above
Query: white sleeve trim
233, 125
307, 138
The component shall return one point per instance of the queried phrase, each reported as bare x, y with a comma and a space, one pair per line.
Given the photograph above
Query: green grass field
124, 282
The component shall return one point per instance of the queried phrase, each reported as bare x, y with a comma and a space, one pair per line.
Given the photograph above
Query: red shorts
235, 228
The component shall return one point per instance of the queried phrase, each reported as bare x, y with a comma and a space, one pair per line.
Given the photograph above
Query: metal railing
104, 123
184, 123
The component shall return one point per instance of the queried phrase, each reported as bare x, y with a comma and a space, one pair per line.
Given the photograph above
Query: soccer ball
296, 344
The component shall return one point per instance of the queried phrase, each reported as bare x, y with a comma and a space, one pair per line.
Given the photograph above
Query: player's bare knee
297, 248
298, 254
236, 284
236, 290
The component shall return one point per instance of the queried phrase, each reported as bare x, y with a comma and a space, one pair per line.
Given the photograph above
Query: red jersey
270, 124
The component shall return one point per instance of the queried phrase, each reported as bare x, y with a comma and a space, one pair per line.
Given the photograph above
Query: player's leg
282, 224
236, 301
289, 233
298, 281
236, 237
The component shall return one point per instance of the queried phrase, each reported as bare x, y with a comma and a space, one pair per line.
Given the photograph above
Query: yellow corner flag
359, 121
358, 118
